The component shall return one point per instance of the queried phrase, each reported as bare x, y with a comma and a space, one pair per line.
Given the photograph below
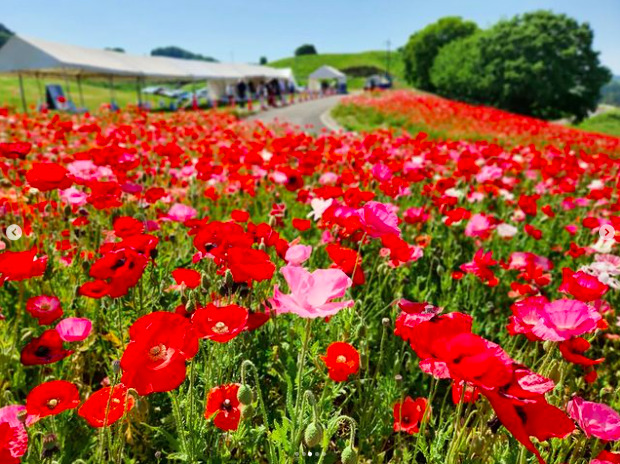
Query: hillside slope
353, 64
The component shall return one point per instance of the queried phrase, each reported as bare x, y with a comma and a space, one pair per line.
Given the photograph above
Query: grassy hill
95, 93
352, 64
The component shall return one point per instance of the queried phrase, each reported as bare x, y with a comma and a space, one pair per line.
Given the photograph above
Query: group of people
274, 93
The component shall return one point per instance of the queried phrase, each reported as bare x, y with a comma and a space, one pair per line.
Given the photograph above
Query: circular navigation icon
13, 232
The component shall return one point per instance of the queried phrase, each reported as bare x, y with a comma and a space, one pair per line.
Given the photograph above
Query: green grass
304, 65
95, 92
606, 123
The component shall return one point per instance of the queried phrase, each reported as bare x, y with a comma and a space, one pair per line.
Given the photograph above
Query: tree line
540, 64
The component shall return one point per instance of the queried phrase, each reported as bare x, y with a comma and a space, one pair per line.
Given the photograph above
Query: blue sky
244, 30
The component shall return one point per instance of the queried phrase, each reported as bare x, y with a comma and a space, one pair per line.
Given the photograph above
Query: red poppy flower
607, 457
476, 360
154, 360
527, 203
409, 414
530, 419
15, 150
46, 349
46, 309
153, 194
347, 260
21, 265
248, 264
220, 324
94, 289
582, 286
464, 391
256, 319
111, 400
126, 226
188, 277
342, 360
572, 350
48, 176
301, 224
222, 401
121, 269
240, 216
51, 398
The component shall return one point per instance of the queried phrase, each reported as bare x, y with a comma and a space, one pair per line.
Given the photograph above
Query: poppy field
192, 287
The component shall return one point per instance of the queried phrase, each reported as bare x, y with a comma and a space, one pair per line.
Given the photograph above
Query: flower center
226, 405
51, 404
405, 419
157, 352
341, 359
220, 328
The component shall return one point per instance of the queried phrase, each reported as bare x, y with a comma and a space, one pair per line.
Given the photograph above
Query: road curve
309, 116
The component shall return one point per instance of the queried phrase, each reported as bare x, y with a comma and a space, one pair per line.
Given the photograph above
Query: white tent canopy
324, 72
28, 56
327, 72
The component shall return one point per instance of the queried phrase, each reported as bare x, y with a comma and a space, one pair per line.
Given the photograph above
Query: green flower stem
300, 371
179, 421
261, 403
331, 429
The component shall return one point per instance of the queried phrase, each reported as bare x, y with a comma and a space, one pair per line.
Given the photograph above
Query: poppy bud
22, 416
50, 446
191, 305
247, 411
313, 434
244, 395
204, 283
348, 456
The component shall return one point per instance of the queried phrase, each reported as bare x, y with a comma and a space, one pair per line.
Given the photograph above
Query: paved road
301, 114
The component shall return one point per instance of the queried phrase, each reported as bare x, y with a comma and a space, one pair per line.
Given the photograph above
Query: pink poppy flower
74, 329
595, 419
181, 213
311, 293
74, 197
564, 319
14, 432
297, 254
478, 226
379, 219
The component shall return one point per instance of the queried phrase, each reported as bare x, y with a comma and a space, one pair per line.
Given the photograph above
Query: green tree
423, 46
177, 52
115, 49
263, 60
540, 64
305, 49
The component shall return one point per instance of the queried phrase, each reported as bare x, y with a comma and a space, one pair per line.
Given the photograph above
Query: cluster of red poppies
181, 229
459, 120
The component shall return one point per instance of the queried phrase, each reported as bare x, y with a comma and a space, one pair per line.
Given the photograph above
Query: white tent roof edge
28, 56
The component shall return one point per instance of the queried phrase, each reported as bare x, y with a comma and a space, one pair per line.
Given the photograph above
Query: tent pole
79, 83
23, 95
68, 88
42, 97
